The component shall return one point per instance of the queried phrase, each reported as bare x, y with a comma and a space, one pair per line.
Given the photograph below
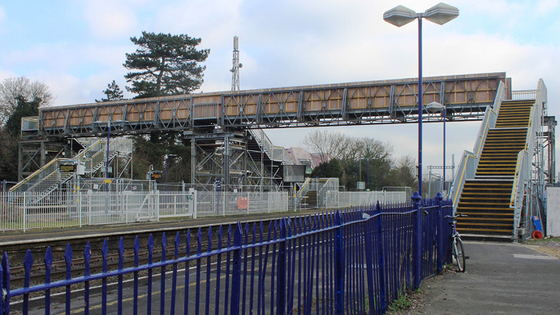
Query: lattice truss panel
395, 101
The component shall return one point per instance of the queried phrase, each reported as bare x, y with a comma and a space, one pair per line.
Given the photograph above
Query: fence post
281, 284
381, 258
339, 266
369, 236
194, 204
417, 241
24, 211
439, 200
2, 289
236, 270
5, 286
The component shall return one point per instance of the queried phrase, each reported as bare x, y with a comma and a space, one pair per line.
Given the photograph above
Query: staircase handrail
465, 171
469, 160
121, 144
518, 191
45, 180
330, 185
519, 178
303, 189
34, 174
521, 95
263, 141
52, 166
524, 157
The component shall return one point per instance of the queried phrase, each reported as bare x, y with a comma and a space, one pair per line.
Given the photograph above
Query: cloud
110, 20
546, 6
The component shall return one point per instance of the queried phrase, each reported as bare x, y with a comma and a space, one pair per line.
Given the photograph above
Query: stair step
475, 214
491, 224
486, 199
480, 219
486, 237
484, 230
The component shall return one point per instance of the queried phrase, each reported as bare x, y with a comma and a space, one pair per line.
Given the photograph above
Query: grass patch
404, 302
543, 241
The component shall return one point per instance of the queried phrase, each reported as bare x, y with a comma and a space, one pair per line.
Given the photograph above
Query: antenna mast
236, 65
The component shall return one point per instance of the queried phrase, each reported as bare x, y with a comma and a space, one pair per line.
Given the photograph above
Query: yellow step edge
465, 211
485, 224
486, 219
484, 230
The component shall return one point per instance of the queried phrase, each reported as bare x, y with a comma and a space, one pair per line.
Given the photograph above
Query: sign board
156, 175
67, 167
361, 185
294, 173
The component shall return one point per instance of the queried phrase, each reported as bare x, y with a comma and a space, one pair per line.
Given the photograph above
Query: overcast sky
78, 47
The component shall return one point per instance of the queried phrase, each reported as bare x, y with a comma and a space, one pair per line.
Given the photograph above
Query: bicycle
457, 249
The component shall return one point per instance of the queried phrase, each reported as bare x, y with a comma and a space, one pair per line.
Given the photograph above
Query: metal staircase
264, 167
59, 171
486, 199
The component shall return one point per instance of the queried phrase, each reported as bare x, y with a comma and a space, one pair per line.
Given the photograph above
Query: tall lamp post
401, 15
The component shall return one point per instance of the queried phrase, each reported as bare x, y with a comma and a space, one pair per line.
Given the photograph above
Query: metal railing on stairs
263, 141
523, 175
58, 171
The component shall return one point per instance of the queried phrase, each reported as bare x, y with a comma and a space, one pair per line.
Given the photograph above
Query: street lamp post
437, 107
401, 15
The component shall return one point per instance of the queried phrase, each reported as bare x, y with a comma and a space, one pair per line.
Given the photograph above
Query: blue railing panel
349, 261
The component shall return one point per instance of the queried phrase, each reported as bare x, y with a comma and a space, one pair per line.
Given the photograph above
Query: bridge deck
394, 101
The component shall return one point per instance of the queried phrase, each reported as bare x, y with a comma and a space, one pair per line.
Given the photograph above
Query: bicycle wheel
459, 254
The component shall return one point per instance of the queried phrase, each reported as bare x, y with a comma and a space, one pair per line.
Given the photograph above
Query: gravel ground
550, 246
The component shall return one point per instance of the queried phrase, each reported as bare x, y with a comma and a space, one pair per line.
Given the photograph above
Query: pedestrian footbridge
501, 183
498, 185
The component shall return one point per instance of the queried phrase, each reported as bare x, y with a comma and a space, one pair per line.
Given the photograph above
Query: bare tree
329, 145
21, 88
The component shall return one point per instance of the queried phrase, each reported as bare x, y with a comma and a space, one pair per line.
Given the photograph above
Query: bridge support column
221, 155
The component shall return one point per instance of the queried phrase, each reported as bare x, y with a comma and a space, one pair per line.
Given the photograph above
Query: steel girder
375, 102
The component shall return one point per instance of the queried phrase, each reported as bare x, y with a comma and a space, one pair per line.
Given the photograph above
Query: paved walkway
500, 279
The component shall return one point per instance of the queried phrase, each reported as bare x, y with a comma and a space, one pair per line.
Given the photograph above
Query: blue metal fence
353, 261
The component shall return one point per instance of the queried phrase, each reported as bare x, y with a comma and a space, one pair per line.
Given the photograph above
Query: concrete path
500, 279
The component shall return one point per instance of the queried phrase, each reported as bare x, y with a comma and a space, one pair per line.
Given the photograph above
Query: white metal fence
24, 211
342, 199
228, 203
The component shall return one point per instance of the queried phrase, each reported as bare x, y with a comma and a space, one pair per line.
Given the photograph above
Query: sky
77, 47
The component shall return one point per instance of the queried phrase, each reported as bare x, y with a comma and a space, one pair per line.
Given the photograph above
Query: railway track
16, 251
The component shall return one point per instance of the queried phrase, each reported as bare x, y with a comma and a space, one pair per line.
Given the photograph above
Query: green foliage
165, 64
8, 155
332, 168
113, 93
24, 108
148, 152
400, 304
10, 135
403, 173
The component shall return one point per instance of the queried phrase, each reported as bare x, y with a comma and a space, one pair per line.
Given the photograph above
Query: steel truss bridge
221, 125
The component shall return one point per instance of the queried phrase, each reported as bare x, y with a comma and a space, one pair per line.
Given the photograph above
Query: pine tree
113, 93
165, 64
